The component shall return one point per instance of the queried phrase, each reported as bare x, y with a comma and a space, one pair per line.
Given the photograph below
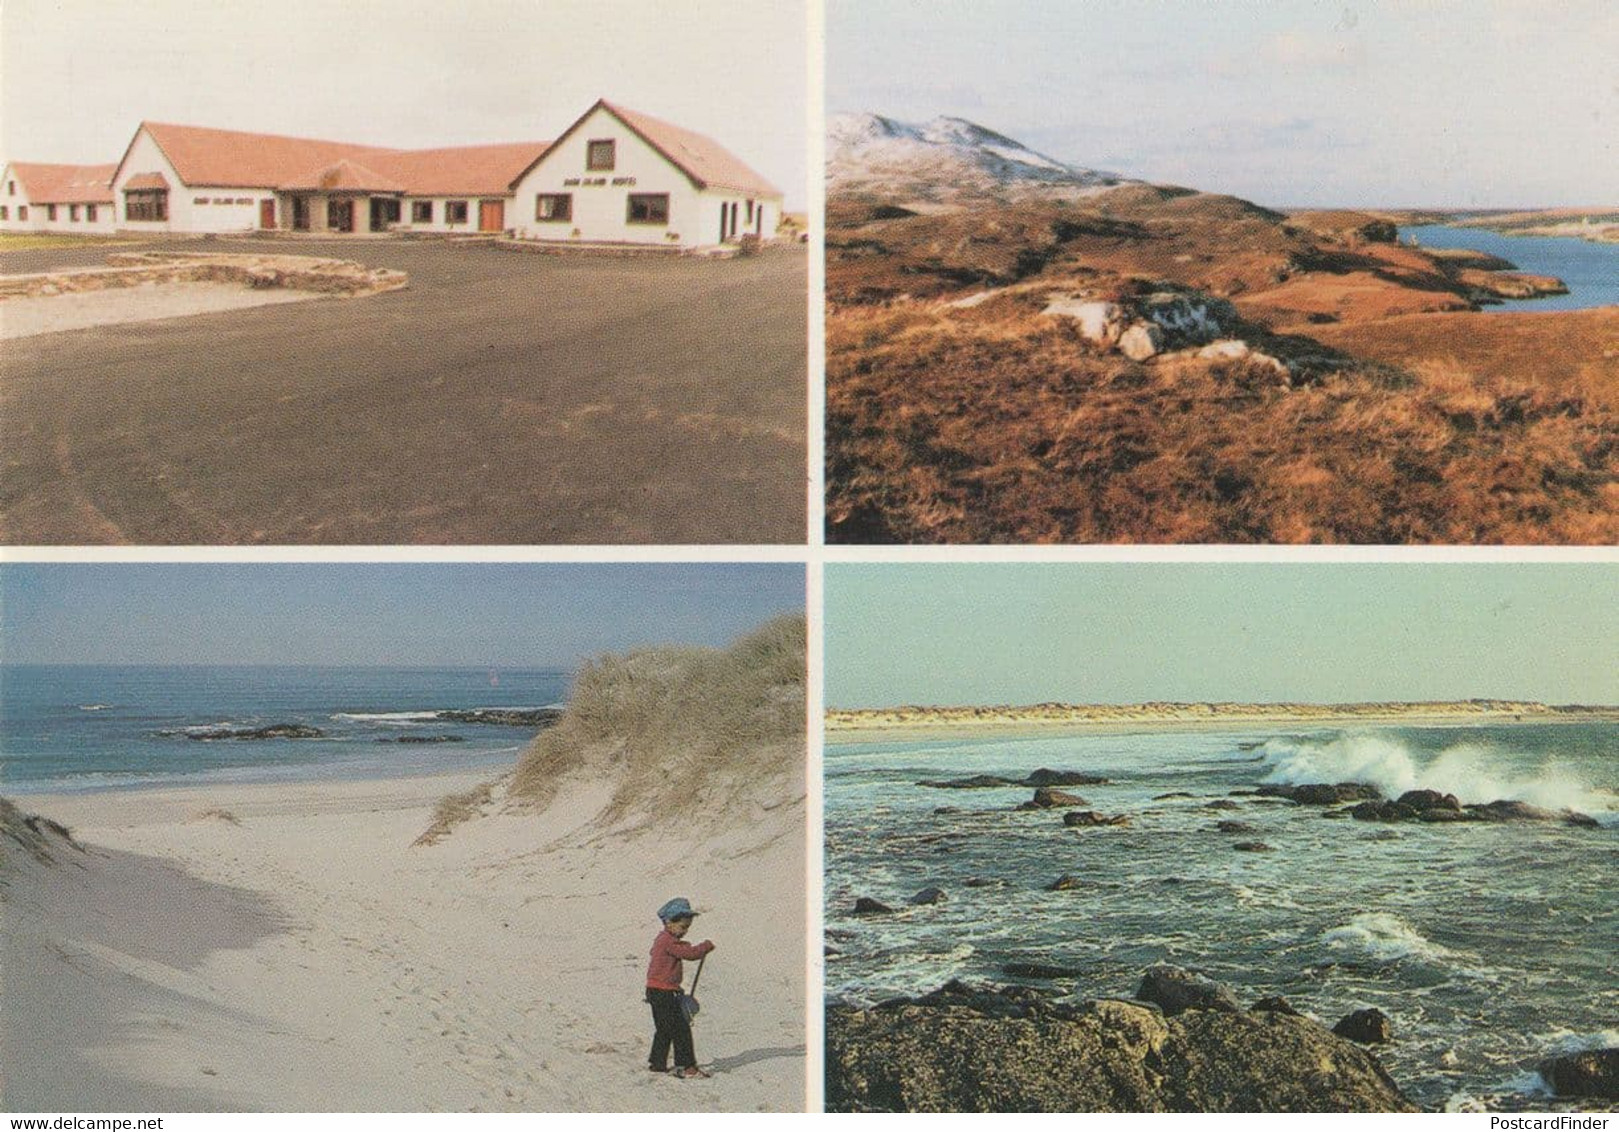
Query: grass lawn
23, 241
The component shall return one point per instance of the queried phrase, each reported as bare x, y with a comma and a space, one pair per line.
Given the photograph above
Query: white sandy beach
308, 957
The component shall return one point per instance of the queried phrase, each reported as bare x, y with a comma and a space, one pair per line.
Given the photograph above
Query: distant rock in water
1040, 971
1431, 806
273, 731
1275, 1004
1322, 793
422, 739
1368, 1027
1590, 1073
1038, 778
1175, 989
505, 717
1048, 797
1252, 847
1017, 1049
866, 906
976, 782
1045, 777
932, 894
1086, 818
1235, 827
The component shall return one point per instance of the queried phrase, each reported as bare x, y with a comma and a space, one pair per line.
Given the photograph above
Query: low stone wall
622, 251
134, 269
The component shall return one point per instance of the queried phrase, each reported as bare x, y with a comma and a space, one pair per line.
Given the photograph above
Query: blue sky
76, 78
1467, 103
1101, 633
371, 614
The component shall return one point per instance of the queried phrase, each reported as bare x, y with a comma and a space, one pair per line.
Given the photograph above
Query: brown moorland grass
993, 425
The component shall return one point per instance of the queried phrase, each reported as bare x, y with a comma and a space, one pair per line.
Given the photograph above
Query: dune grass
678, 730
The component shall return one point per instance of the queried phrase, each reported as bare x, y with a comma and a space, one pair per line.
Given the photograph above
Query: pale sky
1465, 103
1006, 633
416, 614
77, 76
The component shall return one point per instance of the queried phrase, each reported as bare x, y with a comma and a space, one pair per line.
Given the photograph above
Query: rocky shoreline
1181, 1043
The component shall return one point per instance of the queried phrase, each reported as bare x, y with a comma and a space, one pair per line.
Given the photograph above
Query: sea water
1489, 945
68, 728
1590, 269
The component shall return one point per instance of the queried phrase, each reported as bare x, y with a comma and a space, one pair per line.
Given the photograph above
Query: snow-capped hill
944, 161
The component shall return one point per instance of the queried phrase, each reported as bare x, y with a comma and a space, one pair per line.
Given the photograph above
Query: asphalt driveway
504, 398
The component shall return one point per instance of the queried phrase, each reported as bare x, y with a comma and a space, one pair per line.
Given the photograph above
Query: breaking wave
1383, 938
1473, 772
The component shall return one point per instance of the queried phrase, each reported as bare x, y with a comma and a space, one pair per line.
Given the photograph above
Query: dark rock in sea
1275, 1004
965, 1049
1242, 793
1382, 811
866, 906
423, 739
273, 731
929, 895
1335, 815
1171, 794
1424, 800
1368, 1027
1590, 1073
1048, 797
1235, 827
1045, 777
940, 811
1322, 793
1251, 847
1087, 818
1584, 821
983, 882
1040, 971
505, 717
830, 952
1443, 815
1221, 804
976, 782
1175, 989
1064, 883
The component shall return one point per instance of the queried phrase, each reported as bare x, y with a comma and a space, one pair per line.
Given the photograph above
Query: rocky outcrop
1038, 778
1175, 989
1086, 818
962, 1049
1252, 847
866, 906
1368, 1027
1142, 341
1431, 806
504, 717
1049, 797
932, 894
1590, 1073
1065, 883
272, 731
1235, 827
1321, 793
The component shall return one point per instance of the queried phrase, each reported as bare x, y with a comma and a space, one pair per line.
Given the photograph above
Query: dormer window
599, 155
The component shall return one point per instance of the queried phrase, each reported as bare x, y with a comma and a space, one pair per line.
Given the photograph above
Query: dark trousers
669, 1025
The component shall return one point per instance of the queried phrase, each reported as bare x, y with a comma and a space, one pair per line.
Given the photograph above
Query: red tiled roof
236, 159
233, 158
471, 170
147, 181
345, 176
707, 162
65, 184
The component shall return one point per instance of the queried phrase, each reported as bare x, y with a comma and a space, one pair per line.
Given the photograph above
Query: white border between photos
813, 555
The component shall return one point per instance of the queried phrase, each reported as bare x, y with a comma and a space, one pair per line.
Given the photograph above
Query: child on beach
663, 975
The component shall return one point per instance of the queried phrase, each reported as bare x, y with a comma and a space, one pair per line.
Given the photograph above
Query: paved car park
503, 398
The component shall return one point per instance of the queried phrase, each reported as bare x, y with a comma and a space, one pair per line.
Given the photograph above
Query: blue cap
676, 909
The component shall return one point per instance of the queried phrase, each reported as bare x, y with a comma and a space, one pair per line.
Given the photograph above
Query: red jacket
665, 970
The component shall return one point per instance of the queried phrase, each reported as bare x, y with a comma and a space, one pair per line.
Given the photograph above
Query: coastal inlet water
1490, 946
1590, 269
65, 728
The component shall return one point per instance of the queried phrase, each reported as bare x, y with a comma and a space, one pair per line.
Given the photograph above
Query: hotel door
267, 214
491, 215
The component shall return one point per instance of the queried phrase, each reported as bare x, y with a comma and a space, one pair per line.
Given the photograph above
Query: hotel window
455, 212
90, 213
5, 213
146, 204
22, 212
421, 212
553, 206
648, 208
750, 212
11, 188
600, 154
73, 213
50, 212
